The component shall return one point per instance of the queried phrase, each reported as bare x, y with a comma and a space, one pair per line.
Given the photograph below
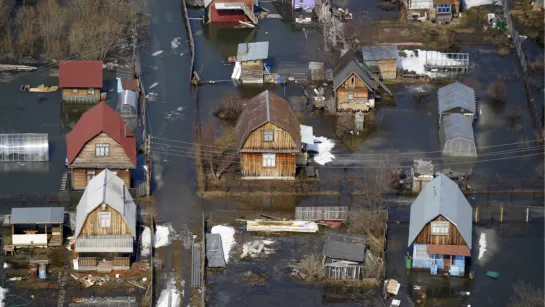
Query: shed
456, 98
344, 256
251, 56
24, 147
316, 71
37, 226
457, 136
214, 251
422, 172
230, 11
252, 51
381, 59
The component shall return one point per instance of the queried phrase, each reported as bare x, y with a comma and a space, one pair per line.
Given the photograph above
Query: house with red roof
100, 140
80, 81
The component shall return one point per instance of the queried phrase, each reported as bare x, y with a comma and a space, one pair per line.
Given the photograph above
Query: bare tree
229, 108
344, 124
218, 152
524, 295
497, 91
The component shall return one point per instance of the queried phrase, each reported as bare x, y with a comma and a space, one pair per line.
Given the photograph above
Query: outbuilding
381, 60
456, 98
457, 136
344, 256
36, 226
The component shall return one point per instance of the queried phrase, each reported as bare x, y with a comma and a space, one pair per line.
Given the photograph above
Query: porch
437, 258
102, 264
103, 253
37, 227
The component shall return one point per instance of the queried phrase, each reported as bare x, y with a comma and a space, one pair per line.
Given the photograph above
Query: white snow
474, 3
163, 235
2, 296
175, 43
482, 245
156, 53
153, 85
145, 242
325, 146
227, 239
170, 297
414, 62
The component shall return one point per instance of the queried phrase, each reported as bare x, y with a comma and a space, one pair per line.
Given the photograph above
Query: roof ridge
267, 105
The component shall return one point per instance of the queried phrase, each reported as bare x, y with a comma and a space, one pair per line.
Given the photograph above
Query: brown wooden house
353, 85
440, 229
105, 225
268, 138
381, 60
100, 140
80, 81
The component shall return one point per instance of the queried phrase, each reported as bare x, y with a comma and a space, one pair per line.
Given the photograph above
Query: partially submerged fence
190, 38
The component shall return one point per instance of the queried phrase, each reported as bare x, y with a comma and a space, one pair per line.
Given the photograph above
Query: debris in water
156, 53
256, 248
175, 43
180, 108
227, 239
154, 85
482, 245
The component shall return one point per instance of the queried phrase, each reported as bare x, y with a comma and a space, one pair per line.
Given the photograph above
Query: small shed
251, 57
316, 71
457, 136
214, 251
381, 60
421, 173
37, 226
127, 107
456, 98
344, 256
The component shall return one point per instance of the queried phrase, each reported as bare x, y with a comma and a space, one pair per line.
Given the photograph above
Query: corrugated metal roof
263, 108
345, 247
441, 196
348, 65
37, 215
457, 136
105, 244
80, 74
109, 189
307, 134
376, 53
252, 51
456, 95
214, 251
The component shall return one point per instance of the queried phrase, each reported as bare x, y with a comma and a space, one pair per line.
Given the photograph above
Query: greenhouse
24, 147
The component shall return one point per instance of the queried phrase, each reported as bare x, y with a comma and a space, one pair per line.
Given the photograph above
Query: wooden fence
321, 213
191, 41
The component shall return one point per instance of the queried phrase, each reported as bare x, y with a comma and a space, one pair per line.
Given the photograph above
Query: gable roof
441, 196
106, 188
345, 247
80, 74
348, 64
263, 108
376, 53
98, 119
456, 95
457, 126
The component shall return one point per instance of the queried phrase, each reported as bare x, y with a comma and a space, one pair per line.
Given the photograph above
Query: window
75, 90
421, 252
104, 219
102, 150
301, 1
439, 228
91, 91
90, 175
353, 81
268, 135
269, 160
350, 96
443, 8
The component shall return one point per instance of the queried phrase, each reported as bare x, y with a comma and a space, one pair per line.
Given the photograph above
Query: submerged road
165, 69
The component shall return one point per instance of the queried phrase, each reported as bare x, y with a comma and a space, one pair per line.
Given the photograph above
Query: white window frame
440, 228
91, 91
421, 252
90, 175
268, 135
104, 219
350, 96
269, 160
102, 150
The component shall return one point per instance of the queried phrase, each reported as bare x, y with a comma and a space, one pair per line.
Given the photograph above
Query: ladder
249, 13
64, 179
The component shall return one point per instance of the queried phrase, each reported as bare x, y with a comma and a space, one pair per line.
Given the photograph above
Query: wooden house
249, 66
421, 173
230, 11
36, 227
105, 225
80, 81
100, 140
440, 229
344, 256
418, 9
353, 85
381, 60
456, 98
457, 136
268, 138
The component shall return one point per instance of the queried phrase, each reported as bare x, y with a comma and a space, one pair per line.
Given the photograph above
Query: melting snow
153, 85
227, 239
482, 245
474, 3
414, 62
325, 146
2, 296
170, 297
163, 235
156, 53
175, 43
145, 239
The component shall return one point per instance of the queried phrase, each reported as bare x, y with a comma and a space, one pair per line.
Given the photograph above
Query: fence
191, 42
321, 213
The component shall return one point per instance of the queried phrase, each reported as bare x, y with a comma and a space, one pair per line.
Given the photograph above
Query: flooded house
457, 136
249, 66
344, 256
456, 98
422, 172
353, 85
99, 140
440, 229
80, 81
381, 60
36, 226
230, 11
105, 225
268, 138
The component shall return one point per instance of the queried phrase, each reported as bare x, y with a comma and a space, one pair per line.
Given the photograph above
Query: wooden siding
69, 94
252, 165
252, 72
386, 68
117, 153
118, 225
357, 82
454, 237
79, 177
358, 103
282, 139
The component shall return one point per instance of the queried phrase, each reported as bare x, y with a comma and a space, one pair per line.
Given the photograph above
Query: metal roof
376, 53
80, 74
348, 65
214, 251
105, 244
252, 51
441, 196
456, 95
37, 215
106, 188
457, 136
345, 247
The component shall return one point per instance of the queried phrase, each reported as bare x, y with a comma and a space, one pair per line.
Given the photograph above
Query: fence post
527, 214
477, 214
501, 213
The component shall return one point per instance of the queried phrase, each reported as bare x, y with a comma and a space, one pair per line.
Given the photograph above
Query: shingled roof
263, 108
348, 64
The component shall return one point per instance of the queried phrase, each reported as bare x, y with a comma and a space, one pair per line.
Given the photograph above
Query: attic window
352, 81
268, 135
102, 150
104, 219
439, 228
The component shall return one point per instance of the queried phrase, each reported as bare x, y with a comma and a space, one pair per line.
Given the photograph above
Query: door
446, 262
90, 175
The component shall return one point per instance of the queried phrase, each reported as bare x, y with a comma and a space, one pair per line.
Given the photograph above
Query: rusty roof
80, 74
455, 250
100, 119
263, 108
130, 84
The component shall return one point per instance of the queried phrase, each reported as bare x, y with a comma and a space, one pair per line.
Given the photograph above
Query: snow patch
175, 43
153, 85
156, 53
163, 235
2, 296
473, 3
325, 146
145, 242
227, 235
482, 245
415, 61
170, 297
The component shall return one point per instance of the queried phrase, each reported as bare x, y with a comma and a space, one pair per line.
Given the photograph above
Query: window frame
91, 91
444, 8
104, 216
350, 96
102, 150
268, 160
266, 134
437, 228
